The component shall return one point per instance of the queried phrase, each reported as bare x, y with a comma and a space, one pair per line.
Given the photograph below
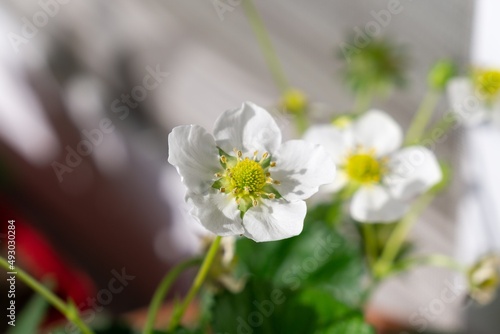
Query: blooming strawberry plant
300, 221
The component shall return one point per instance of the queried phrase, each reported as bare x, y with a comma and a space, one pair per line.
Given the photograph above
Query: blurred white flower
243, 180
476, 98
382, 177
484, 279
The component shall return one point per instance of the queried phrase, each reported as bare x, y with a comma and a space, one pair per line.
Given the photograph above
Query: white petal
274, 220
377, 130
249, 129
217, 212
458, 90
192, 150
465, 102
413, 171
374, 204
301, 168
338, 183
337, 142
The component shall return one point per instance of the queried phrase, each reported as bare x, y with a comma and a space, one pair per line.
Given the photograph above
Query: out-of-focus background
111, 79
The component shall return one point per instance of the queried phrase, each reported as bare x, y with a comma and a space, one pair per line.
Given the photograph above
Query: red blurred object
36, 256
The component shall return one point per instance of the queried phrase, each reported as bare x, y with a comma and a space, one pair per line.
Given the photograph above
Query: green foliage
315, 277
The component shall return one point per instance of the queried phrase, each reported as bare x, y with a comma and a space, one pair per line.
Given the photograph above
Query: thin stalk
399, 235
370, 239
69, 312
436, 260
162, 291
266, 45
362, 102
198, 281
422, 117
442, 127
301, 123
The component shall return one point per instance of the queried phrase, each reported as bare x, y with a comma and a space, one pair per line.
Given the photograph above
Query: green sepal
218, 184
244, 205
231, 161
269, 189
266, 162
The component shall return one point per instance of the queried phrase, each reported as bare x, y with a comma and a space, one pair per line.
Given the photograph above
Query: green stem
301, 123
370, 239
266, 45
71, 313
362, 102
399, 235
162, 291
443, 126
422, 117
436, 260
198, 281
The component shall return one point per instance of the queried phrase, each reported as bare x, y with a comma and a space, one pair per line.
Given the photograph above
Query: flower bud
441, 73
484, 278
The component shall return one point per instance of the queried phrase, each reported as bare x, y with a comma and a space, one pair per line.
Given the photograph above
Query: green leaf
351, 325
263, 308
319, 256
308, 284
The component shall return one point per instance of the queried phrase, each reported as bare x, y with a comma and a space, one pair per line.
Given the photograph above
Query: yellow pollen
246, 180
248, 175
365, 168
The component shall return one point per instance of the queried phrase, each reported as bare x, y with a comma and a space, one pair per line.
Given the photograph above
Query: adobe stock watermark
31, 25
292, 278
104, 297
223, 6
363, 36
426, 314
121, 107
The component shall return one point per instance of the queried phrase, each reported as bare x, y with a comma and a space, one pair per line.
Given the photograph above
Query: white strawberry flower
243, 180
382, 177
476, 98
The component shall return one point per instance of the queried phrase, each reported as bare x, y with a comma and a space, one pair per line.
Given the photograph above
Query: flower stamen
362, 166
247, 179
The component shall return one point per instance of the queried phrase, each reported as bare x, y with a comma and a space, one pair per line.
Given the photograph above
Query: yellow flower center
365, 168
245, 179
488, 83
248, 174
